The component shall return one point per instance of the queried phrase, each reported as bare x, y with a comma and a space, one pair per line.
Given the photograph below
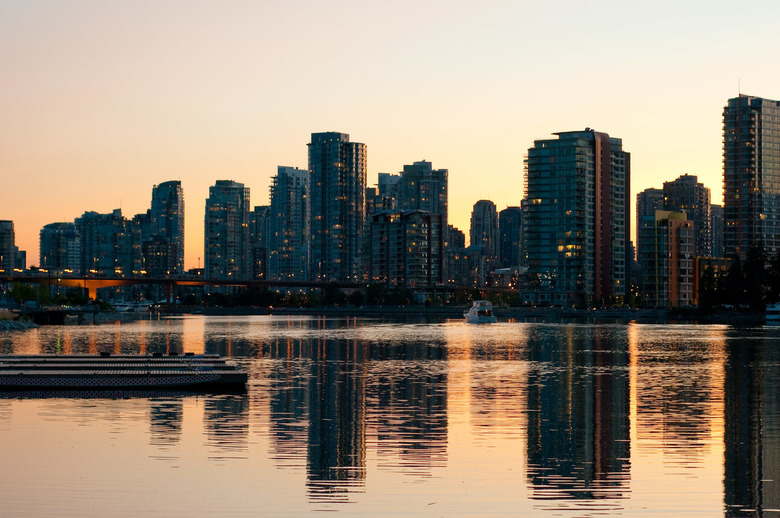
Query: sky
102, 99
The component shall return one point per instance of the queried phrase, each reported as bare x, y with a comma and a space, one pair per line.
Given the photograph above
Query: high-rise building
110, 244
287, 239
484, 227
577, 218
647, 202
510, 227
686, 194
751, 175
406, 249
167, 222
337, 206
422, 187
7, 246
717, 228
258, 233
667, 259
60, 248
227, 247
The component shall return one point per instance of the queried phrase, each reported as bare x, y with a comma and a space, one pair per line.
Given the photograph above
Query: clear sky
102, 99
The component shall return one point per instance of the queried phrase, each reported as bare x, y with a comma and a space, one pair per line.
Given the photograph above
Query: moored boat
481, 312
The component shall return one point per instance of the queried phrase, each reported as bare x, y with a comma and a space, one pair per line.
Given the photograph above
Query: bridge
92, 284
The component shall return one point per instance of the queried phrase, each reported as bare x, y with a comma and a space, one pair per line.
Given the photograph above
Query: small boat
481, 312
773, 314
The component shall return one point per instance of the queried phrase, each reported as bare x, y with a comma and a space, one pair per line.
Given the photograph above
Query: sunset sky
102, 99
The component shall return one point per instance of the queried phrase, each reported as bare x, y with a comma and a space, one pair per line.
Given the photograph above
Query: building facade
687, 195
510, 228
287, 238
110, 245
7, 246
227, 248
667, 259
718, 228
406, 249
167, 226
751, 175
60, 248
337, 206
577, 218
647, 202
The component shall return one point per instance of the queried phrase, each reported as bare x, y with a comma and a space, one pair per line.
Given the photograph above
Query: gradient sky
102, 99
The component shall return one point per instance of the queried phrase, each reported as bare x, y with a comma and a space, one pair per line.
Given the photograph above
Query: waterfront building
60, 248
258, 232
667, 259
647, 202
406, 249
7, 247
227, 247
751, 175
577, 218
717, 229
167, 226
686, 194
287, 238
337, 206
110, 244
510, 225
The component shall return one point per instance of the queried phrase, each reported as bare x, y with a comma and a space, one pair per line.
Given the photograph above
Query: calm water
366, 418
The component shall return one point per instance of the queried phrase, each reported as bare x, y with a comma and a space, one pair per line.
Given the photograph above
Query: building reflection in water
578, 413
165, 421
328, 394
752, 427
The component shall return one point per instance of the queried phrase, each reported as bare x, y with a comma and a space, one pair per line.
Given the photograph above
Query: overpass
92, 284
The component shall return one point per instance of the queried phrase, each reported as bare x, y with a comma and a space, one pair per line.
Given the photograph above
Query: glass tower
751, 175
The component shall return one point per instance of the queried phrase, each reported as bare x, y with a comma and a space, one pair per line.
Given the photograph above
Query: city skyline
100, 102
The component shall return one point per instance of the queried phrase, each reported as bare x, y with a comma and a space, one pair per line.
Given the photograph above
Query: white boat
481, 312
773, 314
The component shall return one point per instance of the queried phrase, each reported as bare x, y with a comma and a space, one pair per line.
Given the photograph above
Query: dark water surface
372, 418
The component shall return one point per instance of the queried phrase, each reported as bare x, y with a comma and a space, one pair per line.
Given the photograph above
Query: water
372, 418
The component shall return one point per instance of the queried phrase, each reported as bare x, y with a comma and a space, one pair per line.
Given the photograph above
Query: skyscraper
751, 175
227, 247
7, 246
287, 239
484, 227
167, 222
577, 200
510, 223
110, 244
647, 202
338, 184
258, 233
423, 188
60, 247
686, 194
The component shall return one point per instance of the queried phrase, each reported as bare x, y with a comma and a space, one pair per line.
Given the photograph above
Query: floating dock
189, 372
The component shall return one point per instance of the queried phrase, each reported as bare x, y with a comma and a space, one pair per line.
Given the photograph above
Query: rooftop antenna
739, 86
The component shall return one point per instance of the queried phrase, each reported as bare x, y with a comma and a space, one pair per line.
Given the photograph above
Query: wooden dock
190, 372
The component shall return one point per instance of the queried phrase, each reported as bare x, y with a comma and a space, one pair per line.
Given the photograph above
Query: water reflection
752, 431
538, 417
578, 413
